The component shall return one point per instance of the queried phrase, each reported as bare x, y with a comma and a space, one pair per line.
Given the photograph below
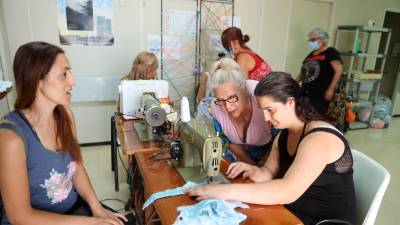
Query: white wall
5, 64
27, 21
37, 21
266, 21
275, 32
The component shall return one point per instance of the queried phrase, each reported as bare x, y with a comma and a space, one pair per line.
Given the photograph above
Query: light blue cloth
170, 192
211, 212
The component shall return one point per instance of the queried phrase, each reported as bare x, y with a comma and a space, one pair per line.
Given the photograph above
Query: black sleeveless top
331, 195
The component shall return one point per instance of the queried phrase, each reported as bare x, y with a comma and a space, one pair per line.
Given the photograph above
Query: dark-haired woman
309, 169
252, 65
42, 177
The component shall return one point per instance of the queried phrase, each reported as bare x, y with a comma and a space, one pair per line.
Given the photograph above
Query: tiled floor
382, 145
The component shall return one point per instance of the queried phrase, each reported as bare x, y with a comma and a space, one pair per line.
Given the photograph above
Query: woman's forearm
39, 217
266, 193
85, 188
239, 151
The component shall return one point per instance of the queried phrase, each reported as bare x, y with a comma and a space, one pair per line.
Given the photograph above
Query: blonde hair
143, 63
226, 70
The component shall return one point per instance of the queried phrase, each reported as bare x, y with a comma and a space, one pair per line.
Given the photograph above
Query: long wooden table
159, 175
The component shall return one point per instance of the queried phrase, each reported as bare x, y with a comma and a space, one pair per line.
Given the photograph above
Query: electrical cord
120, 158
114, 199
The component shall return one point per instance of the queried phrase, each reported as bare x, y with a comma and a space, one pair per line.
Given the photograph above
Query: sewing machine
147, 100
154, 115
131, 92
197, 154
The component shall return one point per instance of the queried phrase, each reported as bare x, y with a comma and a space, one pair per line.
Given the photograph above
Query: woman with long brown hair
42, 177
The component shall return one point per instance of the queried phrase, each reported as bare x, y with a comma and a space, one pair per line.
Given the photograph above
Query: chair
370, 182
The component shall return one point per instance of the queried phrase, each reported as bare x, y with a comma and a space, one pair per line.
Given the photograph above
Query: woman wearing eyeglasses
236, 113
309, 168
321, 70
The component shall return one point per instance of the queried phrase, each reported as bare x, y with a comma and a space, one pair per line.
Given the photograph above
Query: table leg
112, 142
136, 197
114, 156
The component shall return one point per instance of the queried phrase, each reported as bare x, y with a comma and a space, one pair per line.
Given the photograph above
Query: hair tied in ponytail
246, 38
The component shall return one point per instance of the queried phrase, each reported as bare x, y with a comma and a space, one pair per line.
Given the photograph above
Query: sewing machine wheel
156, 116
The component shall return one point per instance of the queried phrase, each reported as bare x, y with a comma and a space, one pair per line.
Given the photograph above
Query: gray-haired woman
321, 70
236, 113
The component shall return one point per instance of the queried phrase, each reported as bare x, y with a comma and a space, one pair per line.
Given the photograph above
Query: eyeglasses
222, 102
313, 39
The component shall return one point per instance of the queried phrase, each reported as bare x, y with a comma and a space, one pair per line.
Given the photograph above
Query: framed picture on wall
85, 22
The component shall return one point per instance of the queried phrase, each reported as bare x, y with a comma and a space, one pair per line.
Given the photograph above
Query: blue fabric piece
229, 156
170, 192
211, 212
218, 129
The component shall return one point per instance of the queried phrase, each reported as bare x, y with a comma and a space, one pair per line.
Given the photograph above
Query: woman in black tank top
310, 167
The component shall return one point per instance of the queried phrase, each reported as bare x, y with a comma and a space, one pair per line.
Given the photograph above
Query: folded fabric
170, 192
211, 212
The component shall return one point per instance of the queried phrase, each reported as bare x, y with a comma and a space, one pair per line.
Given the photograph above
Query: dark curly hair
280, 86
233, 34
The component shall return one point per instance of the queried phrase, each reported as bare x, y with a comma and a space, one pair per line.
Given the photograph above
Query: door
305, 16
390, 86
3, 102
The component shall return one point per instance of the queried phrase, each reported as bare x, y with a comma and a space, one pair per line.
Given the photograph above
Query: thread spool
185, 110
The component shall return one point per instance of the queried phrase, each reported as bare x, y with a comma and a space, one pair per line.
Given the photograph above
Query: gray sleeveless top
50, 173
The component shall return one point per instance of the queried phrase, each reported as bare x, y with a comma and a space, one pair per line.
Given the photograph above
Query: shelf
365, 28
365, 55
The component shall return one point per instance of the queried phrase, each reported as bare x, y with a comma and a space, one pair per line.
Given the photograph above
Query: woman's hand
329, 94
103, 221
109, 217
208, 191
248, 171
235, 169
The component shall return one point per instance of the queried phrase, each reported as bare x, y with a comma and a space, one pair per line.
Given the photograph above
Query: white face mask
314, 45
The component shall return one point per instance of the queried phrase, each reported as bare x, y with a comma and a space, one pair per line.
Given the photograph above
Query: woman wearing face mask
309, 168
251, 65
321, 70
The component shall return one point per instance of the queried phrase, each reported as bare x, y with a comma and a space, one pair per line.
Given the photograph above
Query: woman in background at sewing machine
236, 113
310, 167
144, 67
42, 177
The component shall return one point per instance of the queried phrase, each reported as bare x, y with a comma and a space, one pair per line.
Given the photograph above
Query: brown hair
143, 63
32, 63
280, 86
233, 34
